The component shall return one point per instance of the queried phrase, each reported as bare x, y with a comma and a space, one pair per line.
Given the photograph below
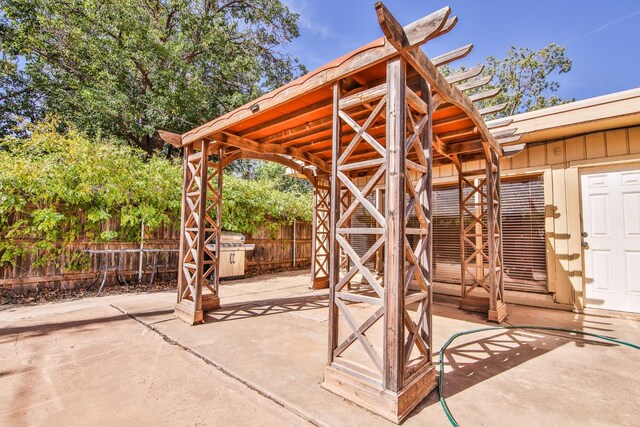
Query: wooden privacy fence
274, 249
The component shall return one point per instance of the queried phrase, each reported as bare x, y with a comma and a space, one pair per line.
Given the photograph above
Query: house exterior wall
560, 162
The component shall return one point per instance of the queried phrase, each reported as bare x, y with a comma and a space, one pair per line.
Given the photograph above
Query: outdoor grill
232, 252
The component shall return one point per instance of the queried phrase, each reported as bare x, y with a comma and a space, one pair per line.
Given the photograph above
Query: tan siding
596, 146
560, 242
616, 142
537, 155
505, 164
573, 294
575, 148
447, 170
520, 160
634, 140
555, 152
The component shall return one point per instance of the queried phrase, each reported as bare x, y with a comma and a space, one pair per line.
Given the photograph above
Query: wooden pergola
367, 126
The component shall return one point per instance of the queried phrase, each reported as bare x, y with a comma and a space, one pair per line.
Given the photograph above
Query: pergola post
320, 238
380, 355
199, 233
481, 239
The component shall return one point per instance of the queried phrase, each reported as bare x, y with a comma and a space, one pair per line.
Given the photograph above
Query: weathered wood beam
484, 95
258, 147
276, 158
493, 109
472, 84
374, 53
509, 139
466, 74
416, 102
476, 145
498, 123
170, 138
504, 132
362, 97
448, 26
426, 29
512, 150
453, 55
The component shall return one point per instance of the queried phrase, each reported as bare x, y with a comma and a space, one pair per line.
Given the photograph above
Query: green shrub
57, 187
248, 204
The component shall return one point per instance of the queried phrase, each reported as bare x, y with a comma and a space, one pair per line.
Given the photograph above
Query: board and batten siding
560, 163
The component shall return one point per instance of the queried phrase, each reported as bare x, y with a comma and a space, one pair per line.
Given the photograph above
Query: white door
611, 224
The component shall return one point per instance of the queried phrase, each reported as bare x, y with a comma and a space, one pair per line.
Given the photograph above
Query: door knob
585, 245
585, 234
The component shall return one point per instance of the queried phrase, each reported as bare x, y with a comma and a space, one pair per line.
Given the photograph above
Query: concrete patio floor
259, 360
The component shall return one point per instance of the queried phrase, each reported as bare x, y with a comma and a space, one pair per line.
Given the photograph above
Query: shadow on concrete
45, 327
267, 308
469, 363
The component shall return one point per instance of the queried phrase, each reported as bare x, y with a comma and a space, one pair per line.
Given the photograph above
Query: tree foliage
127, 68
526, 78
276, 173
17, 98
250, 204
56, 188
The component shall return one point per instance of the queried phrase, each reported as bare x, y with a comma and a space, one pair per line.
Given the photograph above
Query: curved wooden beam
244, 154
263, 148
170, 138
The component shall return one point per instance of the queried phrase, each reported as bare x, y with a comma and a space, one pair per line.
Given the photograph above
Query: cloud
305, 21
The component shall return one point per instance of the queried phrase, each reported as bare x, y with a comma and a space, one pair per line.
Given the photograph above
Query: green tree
56, 188
526, 79
17, 99
127, 68
276, 174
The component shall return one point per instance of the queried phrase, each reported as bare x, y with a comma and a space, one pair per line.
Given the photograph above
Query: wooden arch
373, 123
276, 158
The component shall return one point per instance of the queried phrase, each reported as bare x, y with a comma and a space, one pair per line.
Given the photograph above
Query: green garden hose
491, 328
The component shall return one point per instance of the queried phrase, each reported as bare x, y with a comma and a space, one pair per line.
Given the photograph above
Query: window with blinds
523, 234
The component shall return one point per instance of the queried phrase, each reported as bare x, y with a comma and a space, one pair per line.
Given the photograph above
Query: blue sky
602, 37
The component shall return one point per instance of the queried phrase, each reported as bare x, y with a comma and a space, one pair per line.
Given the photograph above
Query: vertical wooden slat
202, 225
394, 256
461, 237
314, 231
491, 229
334, 249
188, 150
219, 219
426, 201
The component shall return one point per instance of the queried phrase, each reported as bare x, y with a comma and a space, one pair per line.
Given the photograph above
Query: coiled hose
443, 402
